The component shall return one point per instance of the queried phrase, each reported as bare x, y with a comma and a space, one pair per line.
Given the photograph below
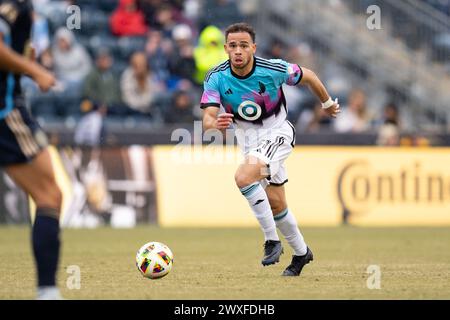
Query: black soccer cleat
297, 264
272, 252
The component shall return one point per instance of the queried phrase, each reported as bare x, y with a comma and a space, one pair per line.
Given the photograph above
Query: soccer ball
154, 260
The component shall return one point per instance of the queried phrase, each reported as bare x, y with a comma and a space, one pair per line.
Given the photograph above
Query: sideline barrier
194, 186
368, 186
108, 186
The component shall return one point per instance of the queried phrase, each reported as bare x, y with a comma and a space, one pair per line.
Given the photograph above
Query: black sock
45, 237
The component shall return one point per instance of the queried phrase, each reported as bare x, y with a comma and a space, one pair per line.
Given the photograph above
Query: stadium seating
336, 59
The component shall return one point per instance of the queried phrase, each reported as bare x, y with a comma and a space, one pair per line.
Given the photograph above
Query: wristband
328, 103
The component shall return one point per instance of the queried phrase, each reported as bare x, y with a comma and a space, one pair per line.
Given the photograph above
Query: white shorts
273, 150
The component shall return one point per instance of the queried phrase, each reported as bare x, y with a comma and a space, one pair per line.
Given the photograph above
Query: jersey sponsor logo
365, 185
249, 110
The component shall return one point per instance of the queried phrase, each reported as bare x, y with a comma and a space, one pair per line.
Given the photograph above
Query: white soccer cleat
48, 293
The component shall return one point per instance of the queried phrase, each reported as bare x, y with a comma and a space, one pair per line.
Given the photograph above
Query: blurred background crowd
141, 63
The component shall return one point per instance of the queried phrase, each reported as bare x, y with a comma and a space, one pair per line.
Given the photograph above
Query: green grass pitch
225, 264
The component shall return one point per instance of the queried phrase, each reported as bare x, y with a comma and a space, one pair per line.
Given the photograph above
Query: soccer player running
250, 90
23, 145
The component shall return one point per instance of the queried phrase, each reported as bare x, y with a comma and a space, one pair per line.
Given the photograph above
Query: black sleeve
211, 104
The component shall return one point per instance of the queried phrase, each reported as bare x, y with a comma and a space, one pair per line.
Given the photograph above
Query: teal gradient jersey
256, 98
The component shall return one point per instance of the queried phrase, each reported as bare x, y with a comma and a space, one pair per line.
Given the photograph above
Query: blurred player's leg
37, 179
247, 179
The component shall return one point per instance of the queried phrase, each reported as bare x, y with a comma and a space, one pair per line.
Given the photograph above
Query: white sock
287, 224
257, 198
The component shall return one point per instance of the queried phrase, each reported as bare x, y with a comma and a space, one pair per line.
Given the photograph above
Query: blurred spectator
40, 34
149, 9
127, 20
391, 115
139, 87
302, 55
181, 108
90, 131
177, 4
158, 49
165, 20
192, 9
318, 120
276, 50
220, 13
248, 8
160, 14
336, 78
355, 116
388, 135
101, 85
209, 52
72, 63
54, 11
46, 59
389, 131
181, 60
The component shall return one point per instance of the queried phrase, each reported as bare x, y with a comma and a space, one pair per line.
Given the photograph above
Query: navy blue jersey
15, 31
21, 137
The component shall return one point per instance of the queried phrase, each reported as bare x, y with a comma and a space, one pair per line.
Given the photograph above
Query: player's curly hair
240, 27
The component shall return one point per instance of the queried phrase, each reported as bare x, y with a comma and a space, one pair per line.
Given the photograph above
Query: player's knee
242, 179
277, 206
51, 197
53, 201
56, 197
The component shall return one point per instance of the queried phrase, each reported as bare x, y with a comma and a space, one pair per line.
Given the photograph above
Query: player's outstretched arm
13, 62
316, 86
213, 120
